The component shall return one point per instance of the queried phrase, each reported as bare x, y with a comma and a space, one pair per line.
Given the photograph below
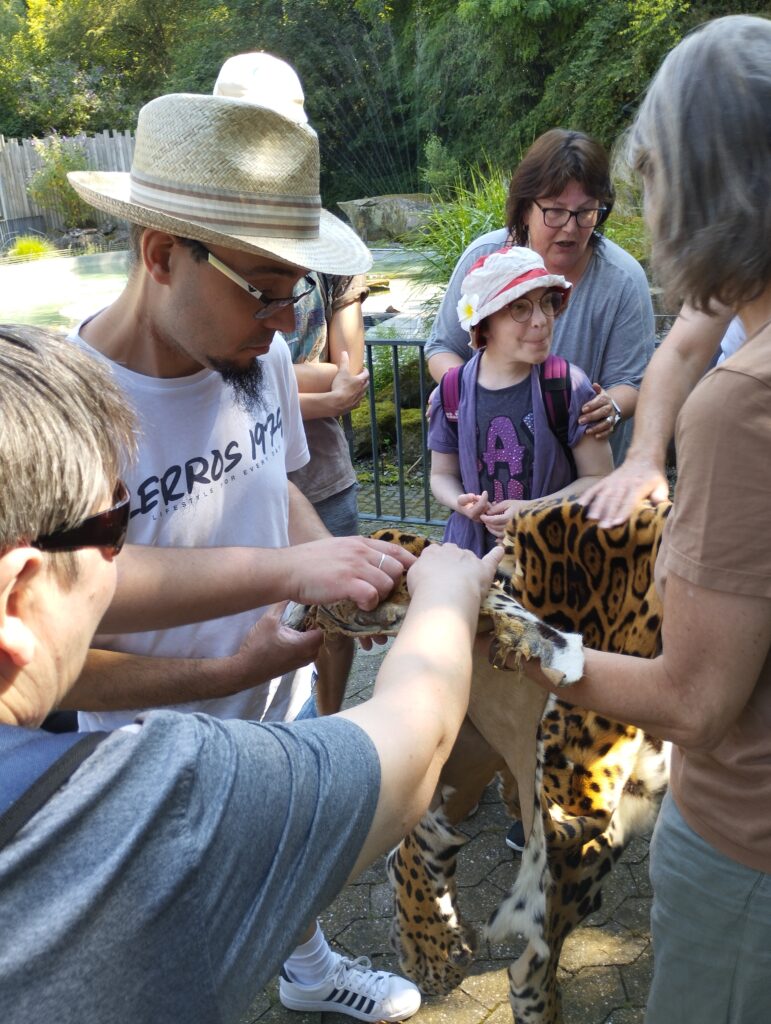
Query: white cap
264, 80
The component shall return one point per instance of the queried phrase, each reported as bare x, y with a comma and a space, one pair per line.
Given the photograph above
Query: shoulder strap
33, 765
451, 388
556, 390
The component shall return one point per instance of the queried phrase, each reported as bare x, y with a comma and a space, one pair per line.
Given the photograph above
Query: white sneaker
356, 989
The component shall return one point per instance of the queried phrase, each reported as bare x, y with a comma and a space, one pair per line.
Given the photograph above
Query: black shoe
515, 837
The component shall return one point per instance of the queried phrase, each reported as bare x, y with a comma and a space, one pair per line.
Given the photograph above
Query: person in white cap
504, 428
226, 219
327, 348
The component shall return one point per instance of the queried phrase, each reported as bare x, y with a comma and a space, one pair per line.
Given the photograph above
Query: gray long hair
702, 141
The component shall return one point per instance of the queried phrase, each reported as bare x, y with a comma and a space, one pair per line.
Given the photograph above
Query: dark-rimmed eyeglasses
551, 303
558, 216
102, 530
268, 305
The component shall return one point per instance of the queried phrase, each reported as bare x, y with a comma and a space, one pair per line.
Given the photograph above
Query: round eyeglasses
268, 306
558, 216
551, 303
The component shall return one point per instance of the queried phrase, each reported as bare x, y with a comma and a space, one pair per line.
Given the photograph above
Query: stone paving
605, 966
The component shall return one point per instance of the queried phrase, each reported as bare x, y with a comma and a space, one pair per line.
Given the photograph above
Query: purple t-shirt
551, 469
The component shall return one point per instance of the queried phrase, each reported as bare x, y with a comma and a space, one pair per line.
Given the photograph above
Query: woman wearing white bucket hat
496, 444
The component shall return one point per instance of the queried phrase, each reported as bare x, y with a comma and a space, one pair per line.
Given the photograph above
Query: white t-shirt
211, 475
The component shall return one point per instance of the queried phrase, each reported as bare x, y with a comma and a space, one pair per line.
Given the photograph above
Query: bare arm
113, 681
675, 369
207, 583
714, 644
335, 387
440, 363
447, 488
422, 688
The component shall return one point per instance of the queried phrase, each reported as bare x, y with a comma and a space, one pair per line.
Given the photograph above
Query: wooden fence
107, 151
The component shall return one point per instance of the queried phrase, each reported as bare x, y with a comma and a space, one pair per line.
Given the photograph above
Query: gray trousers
711, 925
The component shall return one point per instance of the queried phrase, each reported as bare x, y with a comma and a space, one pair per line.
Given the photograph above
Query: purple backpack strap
450, 389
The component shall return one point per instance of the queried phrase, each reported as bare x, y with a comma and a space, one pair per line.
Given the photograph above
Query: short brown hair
554, 160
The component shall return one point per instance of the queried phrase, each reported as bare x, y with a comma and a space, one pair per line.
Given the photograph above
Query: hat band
231, 212
531, 275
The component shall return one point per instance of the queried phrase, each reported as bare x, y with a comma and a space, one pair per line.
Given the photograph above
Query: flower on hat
467, 307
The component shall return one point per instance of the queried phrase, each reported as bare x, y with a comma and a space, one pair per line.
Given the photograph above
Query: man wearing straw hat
226, 219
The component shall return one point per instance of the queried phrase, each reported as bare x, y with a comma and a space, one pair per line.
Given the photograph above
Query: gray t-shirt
171, 876
607, 328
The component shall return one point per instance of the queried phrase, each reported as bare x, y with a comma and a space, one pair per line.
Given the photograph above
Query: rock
387, 217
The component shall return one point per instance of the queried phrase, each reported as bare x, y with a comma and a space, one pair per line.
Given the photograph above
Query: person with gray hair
160, 872
702, 142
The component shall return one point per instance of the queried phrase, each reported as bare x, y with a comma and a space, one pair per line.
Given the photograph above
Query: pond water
59, 291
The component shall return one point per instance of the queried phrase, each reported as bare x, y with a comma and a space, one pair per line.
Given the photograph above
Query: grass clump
30, 247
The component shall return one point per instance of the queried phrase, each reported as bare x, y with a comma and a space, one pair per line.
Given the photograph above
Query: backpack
33, 765
556, 390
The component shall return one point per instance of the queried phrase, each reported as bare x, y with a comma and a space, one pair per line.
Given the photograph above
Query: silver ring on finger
380, 563
610, 419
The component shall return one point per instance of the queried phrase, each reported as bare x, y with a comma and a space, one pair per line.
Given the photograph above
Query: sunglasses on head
102, 530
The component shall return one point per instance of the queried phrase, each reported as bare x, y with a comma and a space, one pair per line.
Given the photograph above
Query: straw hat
499, 278
263, 79
228, 172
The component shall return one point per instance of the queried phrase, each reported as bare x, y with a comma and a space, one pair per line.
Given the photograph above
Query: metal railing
409, 499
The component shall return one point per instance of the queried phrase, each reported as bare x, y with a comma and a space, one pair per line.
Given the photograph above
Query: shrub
476, 205
48, 187
30, 247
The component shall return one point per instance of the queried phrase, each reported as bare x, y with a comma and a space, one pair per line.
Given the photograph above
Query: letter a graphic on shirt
502, 449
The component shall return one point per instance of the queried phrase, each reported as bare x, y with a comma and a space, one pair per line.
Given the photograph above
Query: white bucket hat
499, 278
228, 172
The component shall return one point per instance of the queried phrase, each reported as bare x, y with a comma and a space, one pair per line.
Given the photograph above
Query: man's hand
473, 506
613, 498
270, 648
500, 514
348, 388
359, 569
599, 413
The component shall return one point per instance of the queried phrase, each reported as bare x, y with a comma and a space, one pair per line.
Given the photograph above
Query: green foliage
48, 186
440, 170
30, 247
628, 231
394, 87
476, 205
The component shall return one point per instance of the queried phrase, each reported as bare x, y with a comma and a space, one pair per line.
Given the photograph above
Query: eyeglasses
551, 303
269, 306
103, 530
558, 217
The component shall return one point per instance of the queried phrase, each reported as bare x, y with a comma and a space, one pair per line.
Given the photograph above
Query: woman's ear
18, 568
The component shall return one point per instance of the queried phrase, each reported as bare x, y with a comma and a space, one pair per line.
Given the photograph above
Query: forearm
304, 522
570, 490
440, 363
113, 681
206, 583
446, 488
314, 378
321, 406
626, 398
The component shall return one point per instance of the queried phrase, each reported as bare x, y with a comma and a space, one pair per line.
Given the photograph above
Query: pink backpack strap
450, 390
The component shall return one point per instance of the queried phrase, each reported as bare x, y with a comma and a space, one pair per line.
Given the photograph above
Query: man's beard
246, 382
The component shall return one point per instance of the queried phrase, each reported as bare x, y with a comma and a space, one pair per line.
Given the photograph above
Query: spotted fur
588, 784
